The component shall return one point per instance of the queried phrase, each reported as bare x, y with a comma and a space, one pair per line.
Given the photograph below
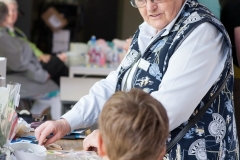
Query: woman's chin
158, 26
11, 24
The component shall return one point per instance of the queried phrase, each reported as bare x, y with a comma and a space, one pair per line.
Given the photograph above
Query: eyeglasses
142, 3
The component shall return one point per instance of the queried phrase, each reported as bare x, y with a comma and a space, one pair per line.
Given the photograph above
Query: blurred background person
23, 67
53, 64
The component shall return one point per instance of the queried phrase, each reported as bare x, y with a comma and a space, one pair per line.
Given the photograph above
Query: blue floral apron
214, 136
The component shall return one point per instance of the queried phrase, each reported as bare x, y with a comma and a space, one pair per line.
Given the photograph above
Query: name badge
143, 64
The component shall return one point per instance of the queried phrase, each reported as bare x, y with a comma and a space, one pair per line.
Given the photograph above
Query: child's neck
105, 158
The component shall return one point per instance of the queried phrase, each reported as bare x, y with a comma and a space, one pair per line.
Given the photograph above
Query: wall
100, 19
24, 21
129, 19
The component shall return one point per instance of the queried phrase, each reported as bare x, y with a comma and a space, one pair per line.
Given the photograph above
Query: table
89, 71
76, 145
73, 88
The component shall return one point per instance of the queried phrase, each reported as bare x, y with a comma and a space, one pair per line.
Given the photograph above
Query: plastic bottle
92, 49
92, 41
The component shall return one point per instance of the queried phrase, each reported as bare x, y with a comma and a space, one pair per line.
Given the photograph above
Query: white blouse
192, 70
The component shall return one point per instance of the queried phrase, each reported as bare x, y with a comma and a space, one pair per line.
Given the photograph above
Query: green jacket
21, 34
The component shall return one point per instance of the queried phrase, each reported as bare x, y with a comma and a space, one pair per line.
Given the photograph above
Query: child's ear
101, 147
162, 153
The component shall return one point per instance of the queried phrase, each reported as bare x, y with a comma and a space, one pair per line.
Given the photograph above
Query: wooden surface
76, 145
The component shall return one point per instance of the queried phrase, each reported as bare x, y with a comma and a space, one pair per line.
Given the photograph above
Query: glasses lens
140, 3
133, 3
157, 1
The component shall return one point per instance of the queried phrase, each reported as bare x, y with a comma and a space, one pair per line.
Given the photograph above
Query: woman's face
161, 14
12, 14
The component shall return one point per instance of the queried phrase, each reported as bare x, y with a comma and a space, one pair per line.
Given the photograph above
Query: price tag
143, 64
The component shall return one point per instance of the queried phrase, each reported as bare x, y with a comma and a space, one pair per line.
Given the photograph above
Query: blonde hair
133, 125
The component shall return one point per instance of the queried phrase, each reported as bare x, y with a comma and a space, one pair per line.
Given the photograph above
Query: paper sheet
61, 41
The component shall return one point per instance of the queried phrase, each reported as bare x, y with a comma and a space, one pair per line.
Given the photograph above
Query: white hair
9, 1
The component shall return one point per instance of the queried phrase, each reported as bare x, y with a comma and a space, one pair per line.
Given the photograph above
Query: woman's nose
10, 13
150, 5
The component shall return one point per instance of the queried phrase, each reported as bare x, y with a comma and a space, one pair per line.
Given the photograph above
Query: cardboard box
53, 19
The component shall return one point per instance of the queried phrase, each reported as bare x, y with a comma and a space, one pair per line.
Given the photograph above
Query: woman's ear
101, 147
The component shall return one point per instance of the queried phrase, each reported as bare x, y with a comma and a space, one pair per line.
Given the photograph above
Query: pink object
102, 60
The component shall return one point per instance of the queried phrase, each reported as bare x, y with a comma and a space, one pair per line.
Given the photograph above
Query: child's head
133, 125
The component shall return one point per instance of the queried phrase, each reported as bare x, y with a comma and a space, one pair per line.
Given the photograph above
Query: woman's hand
58, 128
62, 56
45, 58
90, 142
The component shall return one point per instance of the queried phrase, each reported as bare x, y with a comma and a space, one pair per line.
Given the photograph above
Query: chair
25, 104
3, 64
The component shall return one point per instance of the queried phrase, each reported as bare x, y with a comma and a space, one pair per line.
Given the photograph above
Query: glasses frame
133, 4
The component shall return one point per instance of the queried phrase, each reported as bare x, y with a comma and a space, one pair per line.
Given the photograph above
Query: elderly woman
180, 55
24, 68
53, 64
